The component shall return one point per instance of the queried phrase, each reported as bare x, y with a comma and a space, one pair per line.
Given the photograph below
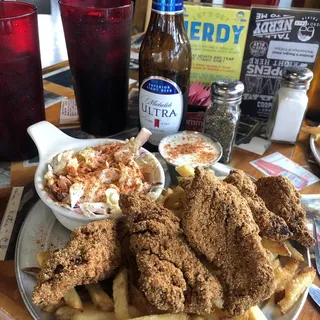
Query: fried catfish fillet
218, 223
92, 254
282, 198
271, 225
170, 275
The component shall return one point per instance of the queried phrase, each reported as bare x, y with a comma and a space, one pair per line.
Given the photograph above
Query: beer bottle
164, 72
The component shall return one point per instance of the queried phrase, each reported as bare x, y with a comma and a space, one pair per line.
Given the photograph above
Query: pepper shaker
289, 105
222, 116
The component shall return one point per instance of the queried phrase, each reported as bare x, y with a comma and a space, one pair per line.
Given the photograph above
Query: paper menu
217, 37
277, 38
277, 164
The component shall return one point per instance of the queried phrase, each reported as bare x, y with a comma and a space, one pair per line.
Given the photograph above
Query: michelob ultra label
160, 107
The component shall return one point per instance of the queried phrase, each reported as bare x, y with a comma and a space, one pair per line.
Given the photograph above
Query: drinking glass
98, 34
21, 86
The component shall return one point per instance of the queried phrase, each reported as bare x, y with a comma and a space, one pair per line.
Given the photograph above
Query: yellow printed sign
217, 36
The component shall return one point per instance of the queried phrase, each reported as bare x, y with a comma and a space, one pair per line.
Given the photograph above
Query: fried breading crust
271, 226
219, 224
91, 255
282, 198
171, 276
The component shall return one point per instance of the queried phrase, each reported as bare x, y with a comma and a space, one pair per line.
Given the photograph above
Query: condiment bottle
222, 116
289, 105
164, 72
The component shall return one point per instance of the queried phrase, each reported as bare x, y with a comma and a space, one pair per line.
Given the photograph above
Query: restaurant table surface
10, 299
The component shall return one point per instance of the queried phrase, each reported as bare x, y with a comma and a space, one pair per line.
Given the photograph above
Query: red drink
21, 87
98, 43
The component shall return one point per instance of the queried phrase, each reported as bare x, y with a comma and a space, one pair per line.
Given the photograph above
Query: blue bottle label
160, 107
168, 6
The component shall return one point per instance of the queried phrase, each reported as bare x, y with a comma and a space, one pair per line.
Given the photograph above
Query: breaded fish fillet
271, 226
92, 254
218, 223
170, 275
282, 198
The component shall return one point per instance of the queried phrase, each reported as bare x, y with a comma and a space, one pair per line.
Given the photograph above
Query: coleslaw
89, 181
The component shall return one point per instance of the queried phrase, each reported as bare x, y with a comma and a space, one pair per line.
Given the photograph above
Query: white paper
256, 145
293, 51
68, 111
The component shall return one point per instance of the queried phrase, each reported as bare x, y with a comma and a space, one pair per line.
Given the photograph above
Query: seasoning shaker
289, 105
222, 116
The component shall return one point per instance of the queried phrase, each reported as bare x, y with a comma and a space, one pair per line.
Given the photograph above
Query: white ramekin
51, 141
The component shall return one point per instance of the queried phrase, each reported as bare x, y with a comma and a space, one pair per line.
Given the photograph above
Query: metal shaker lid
297, 77
227, 91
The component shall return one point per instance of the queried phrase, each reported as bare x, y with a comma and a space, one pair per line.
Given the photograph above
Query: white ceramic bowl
51, 141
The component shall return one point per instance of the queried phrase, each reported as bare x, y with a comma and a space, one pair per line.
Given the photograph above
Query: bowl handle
48, 138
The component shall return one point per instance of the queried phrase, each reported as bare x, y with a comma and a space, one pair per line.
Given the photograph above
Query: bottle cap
297, 78
228, 91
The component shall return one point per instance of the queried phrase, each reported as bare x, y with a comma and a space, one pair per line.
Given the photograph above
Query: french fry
99, 297
283, 275
167, 316
120, 295
139, 300
245, 316
94, 315
73, 300
42, 257
52, 308
212, 316
295, 254
217, 315
167, 192
174, 201
178, 189
185, 171
276, 263
163, 197
317, 140
255, 313
66, 313
271, 255
296, 287
276, 247
134, 312
311, 130
89, 306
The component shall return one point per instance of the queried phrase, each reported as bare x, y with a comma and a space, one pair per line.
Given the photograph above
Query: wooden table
10, 299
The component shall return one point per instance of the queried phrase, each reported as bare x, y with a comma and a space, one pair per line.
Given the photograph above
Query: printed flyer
277, 164
217, 37
277, 38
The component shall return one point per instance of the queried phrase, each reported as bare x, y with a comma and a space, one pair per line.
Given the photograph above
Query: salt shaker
289, 105
222, 116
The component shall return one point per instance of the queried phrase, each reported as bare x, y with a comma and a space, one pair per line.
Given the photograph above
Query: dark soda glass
98, 37
21, 86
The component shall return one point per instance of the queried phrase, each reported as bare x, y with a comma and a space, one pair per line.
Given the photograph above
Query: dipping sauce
190, 148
